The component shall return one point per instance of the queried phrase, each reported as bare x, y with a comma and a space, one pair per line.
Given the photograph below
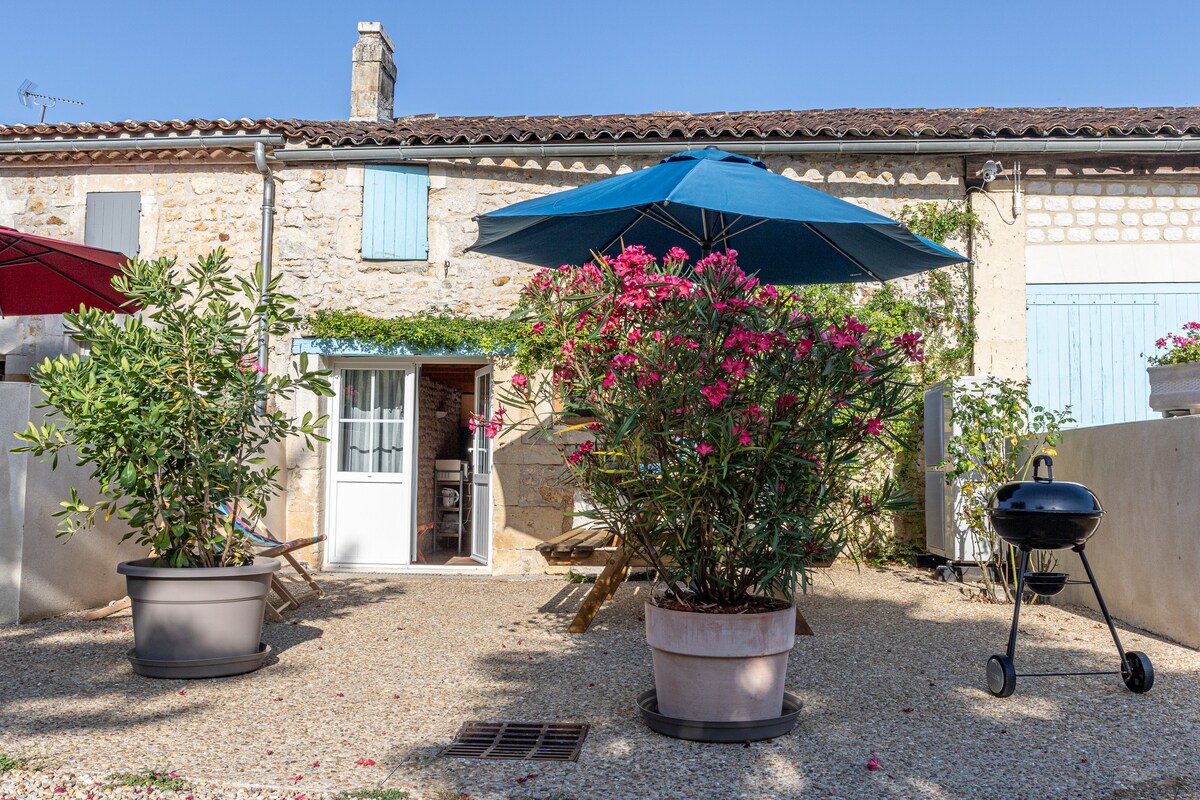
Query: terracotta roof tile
817, 123
141, 127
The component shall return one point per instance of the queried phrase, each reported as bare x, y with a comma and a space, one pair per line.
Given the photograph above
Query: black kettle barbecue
1044, 514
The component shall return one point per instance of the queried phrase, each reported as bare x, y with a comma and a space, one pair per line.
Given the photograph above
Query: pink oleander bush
1179, 348
723, 427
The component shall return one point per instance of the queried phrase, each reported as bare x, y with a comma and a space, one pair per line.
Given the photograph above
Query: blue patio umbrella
702, 200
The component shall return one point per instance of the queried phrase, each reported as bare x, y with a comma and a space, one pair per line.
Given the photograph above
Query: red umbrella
39, 275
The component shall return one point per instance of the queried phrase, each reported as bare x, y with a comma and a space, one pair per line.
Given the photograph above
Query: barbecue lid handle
1037, 463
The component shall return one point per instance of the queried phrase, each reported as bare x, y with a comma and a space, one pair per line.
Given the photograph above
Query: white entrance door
481, 471
370, 486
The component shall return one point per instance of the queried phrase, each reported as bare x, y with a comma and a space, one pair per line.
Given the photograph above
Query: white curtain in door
372, 428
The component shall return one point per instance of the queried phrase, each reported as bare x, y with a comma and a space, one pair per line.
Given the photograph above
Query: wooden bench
576, 545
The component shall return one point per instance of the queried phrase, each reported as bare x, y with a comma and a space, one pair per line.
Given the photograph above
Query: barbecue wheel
1137, 672
1002, 676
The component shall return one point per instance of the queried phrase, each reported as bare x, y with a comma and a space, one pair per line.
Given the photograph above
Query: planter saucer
697, 731
200, 667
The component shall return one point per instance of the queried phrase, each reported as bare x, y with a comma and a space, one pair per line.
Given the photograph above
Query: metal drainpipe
268, 228
970, 270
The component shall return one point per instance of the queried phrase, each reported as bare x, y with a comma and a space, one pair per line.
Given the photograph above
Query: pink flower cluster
249, 363
727, 351
491, 427
911, 344
1180, 347
581, 451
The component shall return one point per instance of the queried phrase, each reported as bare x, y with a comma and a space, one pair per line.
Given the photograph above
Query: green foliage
172, 411
1000, 432
12, 763
433, 329
1181, 348
882, 551
383, 794
727, 428
576, 577
937, 303
163, 781
940, 223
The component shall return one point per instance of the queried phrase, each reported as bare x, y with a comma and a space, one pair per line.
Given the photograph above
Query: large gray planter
721, 668
1175, 388
202, 622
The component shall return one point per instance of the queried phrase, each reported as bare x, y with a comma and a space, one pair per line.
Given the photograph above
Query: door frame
412, 363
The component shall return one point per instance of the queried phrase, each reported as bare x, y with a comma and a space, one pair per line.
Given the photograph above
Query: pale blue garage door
1088, 344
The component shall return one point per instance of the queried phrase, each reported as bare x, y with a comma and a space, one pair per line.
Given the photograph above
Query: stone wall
189, 208
1083, 211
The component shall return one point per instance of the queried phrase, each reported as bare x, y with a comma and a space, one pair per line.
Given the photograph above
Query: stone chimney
373, 75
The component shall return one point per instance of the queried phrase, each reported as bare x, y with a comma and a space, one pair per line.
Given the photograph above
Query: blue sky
158, 60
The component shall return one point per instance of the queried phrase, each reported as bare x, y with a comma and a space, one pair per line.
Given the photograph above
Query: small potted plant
725, 433
172, 411
1175, 372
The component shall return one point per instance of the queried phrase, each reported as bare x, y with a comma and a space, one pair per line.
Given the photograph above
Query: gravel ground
386, 669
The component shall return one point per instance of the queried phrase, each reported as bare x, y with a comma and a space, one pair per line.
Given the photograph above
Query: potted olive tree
172, 412
725, 432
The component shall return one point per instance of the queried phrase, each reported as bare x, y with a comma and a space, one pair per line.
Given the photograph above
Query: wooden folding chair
267, 546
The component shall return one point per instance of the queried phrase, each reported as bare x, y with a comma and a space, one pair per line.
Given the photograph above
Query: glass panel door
370, 495
481, 472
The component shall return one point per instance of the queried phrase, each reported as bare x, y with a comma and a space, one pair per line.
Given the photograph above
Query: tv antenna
27, 94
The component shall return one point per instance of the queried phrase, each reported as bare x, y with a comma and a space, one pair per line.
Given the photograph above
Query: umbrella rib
842, 252
751, 226
654, 210
86, 288
14, 246
620, 235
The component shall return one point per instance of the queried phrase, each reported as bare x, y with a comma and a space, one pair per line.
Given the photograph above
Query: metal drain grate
536, 741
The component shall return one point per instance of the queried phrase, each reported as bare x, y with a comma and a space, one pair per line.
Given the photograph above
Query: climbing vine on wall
433, 329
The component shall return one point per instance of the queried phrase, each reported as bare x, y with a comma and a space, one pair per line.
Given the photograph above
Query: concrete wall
999, 273
1146, 554
14, 415
41, 574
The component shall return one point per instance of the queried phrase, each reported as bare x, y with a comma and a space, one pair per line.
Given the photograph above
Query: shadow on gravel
882, 676
68, 674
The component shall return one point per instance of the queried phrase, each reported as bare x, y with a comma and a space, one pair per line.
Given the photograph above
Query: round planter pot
720, 668
1175, 387
201, 622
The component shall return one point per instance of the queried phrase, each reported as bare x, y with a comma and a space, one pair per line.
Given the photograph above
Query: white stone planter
1175, 387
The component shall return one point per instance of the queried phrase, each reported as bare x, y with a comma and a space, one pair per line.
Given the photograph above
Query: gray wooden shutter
112, 221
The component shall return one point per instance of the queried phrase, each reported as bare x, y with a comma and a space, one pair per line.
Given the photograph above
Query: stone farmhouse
1090, 250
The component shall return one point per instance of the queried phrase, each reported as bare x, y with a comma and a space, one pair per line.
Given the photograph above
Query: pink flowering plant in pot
1178, 348
723, 426
1174, 373
724, 423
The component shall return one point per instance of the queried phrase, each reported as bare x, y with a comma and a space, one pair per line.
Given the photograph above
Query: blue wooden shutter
111, 221
396, 213
1088, 344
